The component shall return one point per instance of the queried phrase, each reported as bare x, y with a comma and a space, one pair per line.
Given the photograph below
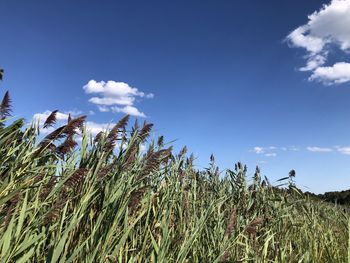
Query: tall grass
105, 200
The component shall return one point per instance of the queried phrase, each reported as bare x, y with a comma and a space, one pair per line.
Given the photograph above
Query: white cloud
272, 151
319, 149
313, 63
327, 28
103, 108
112, 101
266, 151
94, 128
344, 150
338, 73
131, 110
143, 148
293, 148
115, 96
300, 37
258, 150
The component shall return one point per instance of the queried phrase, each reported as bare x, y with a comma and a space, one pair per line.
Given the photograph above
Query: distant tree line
336, 197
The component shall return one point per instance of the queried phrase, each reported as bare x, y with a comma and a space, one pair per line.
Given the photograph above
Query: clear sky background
260, 82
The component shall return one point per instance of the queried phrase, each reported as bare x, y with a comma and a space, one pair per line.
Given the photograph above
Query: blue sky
260, 82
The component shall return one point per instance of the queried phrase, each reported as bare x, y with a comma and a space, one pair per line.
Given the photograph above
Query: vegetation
105, 200
336, 197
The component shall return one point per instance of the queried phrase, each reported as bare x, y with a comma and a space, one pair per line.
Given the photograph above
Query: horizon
262, 83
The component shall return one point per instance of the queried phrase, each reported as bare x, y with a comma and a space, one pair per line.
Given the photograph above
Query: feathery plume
51, 120
98, 137
135, 199
104, 171
182, 152
155, 159
74, 124
123, 122
77, 178
257, 176
56, 209
252, 227
144, 132
11, 205
189, 160
136, 125
292, 173
55, 135
47, 188
228, 232
5, 106
160, 141
231, 223
113, 134
212, 158
67, 146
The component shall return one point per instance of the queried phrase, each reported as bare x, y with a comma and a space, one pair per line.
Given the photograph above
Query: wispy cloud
115, 96
94, 128
258, 150
340, 149
344, 150
326, 29
270, 151
131, 110
319, 149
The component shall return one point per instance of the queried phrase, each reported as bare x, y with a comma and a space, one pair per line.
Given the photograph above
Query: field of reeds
103, 199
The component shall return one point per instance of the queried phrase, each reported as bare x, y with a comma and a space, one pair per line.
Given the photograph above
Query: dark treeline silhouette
336, 197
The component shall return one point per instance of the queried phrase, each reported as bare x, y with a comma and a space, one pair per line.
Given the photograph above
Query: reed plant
105, 200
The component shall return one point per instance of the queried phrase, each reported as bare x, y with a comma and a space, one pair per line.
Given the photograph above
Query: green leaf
21, 217
6, 239
26, 256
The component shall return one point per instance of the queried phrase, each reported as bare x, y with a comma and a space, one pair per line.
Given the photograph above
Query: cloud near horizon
272, 151
266, 151
318, 149
92, 128
340, 149
344, 150
115, 97
325, 30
